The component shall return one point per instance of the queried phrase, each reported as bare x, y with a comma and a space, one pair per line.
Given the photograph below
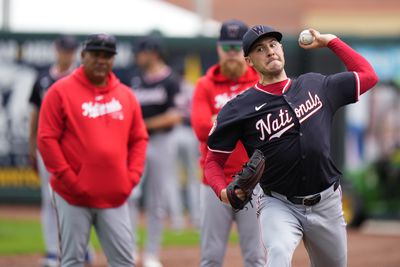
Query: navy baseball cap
149, 43
66, 42
152, 44
232, 32
100, 42
257, 32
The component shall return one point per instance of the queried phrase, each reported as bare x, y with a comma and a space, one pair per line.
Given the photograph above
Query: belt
307, 200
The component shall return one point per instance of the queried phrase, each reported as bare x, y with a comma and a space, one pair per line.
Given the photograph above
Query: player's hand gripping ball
306, 37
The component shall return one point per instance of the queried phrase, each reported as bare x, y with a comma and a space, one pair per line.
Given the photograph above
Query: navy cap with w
255, 33
232, 32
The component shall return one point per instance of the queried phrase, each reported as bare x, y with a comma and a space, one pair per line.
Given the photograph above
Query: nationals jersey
292, 130
156, 95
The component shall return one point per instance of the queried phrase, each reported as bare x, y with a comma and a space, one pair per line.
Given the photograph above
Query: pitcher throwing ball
290, 121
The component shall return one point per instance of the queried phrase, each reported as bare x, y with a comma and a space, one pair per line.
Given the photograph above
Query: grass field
24, 236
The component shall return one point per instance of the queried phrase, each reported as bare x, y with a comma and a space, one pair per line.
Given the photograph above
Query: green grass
20, 236
23, 236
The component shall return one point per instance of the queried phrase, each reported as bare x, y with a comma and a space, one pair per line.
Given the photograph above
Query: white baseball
306, 37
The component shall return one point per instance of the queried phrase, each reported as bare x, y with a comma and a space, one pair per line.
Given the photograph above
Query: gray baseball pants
113, 228
216, 222
322, 228
48, 216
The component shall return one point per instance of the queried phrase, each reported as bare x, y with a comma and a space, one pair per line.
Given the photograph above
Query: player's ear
248, 61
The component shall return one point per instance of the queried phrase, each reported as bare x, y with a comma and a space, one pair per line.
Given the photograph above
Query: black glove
246, 180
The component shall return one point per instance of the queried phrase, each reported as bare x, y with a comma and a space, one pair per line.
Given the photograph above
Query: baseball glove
246, 180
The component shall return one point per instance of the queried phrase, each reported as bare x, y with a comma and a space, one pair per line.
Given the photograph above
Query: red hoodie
212, 92
93, 140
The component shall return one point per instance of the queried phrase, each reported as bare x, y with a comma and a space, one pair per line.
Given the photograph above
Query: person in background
225, 80
66, 47
93, 141
156, 87
187, 153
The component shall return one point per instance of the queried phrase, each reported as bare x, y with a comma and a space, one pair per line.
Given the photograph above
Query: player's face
97, 65
267, 57
144, 59
65, 57
231, 59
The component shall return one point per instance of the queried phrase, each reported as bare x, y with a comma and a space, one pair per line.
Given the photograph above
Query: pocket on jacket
108, 180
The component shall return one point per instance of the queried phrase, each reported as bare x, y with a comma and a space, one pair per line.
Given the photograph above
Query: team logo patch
233, 31
258, 29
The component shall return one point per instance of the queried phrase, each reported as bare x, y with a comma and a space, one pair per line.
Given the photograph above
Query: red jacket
212, 92
93, 140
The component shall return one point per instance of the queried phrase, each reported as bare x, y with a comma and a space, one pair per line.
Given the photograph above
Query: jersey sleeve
225, 131
341, 89
35, 98
173, 89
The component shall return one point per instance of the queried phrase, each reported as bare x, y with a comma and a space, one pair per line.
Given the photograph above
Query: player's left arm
138, 139
222, 140
214, 173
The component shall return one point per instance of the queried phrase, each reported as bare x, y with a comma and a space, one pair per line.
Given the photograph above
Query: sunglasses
229, 47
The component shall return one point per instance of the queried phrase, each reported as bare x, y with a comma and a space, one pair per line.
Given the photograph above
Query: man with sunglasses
93, 141
222, 82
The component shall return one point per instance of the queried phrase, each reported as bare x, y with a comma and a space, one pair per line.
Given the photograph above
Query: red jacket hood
112, 81
214, 73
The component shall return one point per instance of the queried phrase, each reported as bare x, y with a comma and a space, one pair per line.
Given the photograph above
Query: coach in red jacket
93, 141
222, 82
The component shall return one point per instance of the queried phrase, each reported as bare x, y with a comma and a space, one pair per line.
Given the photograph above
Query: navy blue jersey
292, 130
155, 96
42, 83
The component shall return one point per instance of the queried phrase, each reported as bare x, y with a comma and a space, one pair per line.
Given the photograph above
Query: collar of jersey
274, 88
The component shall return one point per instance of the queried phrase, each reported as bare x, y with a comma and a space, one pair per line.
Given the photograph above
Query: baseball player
222, 82
289, 120
93, 140
156, 87
65, 48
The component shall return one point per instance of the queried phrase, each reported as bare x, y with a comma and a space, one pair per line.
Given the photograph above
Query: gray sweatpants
216, 223
112, 225
321, 227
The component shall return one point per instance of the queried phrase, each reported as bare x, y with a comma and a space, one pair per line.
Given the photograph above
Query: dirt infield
375, 245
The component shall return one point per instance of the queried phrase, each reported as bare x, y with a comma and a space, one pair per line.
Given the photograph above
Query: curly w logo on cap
258, 29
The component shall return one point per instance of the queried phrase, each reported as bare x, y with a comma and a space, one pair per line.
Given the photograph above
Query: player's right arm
354, 62
50, 130
202, 114
33, 125
35, 101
